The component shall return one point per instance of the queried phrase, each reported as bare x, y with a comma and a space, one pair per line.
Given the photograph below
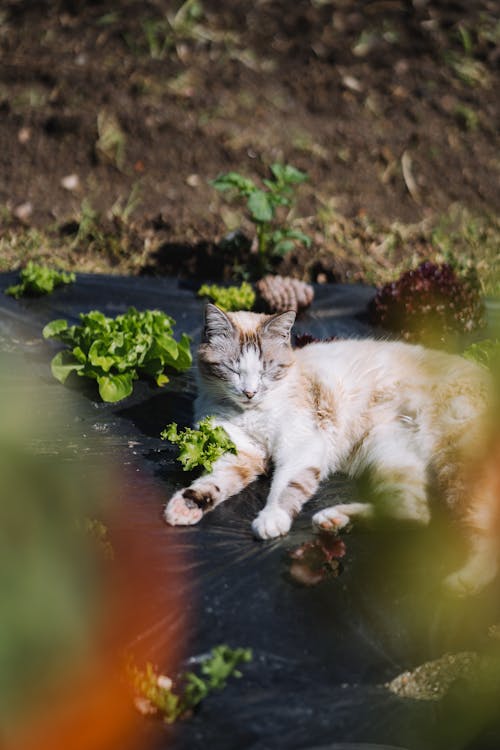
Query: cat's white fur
396, 409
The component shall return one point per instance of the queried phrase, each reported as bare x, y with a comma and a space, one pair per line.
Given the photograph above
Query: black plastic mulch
321, 653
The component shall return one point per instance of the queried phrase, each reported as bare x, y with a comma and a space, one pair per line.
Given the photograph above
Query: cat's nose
249, 394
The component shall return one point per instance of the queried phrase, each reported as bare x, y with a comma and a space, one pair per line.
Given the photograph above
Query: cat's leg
293, 485
398, 485
337, 517
480, 569
478, 488
231, 473
398, 476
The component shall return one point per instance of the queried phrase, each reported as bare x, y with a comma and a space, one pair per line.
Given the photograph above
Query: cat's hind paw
271, 523
181, 510
330, 519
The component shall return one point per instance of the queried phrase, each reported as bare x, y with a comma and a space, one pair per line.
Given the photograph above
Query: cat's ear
216, 323
279, 326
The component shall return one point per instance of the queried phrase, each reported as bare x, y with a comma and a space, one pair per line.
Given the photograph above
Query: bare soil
121, 113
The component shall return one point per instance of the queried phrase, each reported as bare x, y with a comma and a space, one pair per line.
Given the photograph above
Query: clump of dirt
431, 681
128, 111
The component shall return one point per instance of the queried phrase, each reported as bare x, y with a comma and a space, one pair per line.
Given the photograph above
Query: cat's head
245, 354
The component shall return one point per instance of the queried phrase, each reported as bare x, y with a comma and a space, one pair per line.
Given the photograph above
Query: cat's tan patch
321, 402
248, 467
299, 490
381, 397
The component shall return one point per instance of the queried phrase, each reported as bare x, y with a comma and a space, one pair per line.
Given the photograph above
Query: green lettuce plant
201, 447
36, 280
117, 351
229, 298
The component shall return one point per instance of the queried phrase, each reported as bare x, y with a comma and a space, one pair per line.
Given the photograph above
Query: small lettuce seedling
201, 447
274, 238
154, 693
116, 351
37, 280
231, 297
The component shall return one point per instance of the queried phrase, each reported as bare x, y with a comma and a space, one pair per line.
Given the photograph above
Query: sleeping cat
402, 412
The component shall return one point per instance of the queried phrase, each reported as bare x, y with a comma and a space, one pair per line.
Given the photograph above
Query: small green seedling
485, 352
116, 351
201, 447
154, 692
229, 298
37, 280
274, 238
161, 35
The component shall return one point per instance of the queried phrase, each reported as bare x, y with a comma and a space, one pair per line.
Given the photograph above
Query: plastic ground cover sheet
322, 654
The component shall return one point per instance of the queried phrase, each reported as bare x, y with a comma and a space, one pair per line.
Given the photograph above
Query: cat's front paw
271, 522
181, 510
330, 519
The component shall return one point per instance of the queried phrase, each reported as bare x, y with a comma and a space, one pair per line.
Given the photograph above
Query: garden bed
323, 653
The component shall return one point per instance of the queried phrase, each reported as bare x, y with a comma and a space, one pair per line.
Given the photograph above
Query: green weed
123, 210
160, 36
17, 246
275, 237
155, 692
468, 241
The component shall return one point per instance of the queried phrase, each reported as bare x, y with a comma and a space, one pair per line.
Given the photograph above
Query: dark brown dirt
390, 106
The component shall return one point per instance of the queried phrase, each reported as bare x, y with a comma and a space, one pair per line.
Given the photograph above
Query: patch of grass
6, 218
98, 236
123, 209
157, 37
90, 241
370, 252
161, 36
17, 246
465, 64
467, 241
88, 226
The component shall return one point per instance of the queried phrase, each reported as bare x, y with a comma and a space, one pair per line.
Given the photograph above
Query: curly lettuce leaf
231, 297
201, 447
117, 351
36, 280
